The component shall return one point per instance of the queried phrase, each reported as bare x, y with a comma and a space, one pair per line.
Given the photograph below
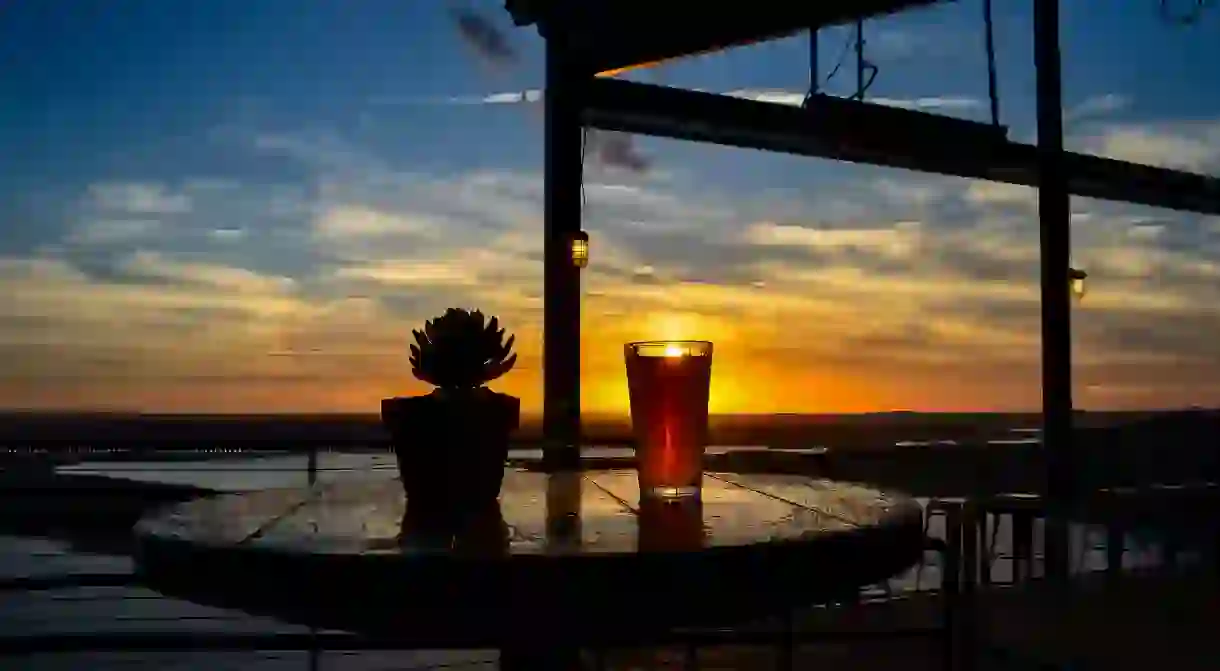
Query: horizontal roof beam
614, 35
860, 132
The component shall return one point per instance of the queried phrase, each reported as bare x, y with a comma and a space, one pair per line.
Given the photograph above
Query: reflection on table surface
603, 508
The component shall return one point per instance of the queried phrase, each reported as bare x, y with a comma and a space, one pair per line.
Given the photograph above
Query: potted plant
452, 444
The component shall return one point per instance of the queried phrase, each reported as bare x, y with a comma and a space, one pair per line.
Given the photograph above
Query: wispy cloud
527, 96
138, 198
1187, 145
923, 103
409, 273
613, 150
484, 37
347, 221
228, 234
1096, 106
154, 265
616, 150
932, 281
112, 231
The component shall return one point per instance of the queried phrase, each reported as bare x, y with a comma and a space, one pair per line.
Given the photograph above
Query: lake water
114, 609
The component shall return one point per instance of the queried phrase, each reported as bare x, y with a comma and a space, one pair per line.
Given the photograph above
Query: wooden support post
1054, 213
561, 279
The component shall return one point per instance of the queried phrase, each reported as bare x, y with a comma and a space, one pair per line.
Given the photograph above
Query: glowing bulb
1076, 282
673, 351
580, 249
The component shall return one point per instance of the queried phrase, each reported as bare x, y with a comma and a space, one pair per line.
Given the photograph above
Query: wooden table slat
576, 551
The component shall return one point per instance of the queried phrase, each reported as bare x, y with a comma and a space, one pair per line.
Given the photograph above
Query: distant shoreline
63, 432
905, 415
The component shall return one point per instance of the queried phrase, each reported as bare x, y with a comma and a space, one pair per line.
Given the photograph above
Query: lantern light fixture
1076, 282
580, 249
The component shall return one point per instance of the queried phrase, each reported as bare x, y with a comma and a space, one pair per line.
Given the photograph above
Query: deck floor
1132, 625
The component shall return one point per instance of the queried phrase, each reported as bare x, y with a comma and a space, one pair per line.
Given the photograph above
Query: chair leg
951, 586
1022, 547
928, 511
690, 658
988, 563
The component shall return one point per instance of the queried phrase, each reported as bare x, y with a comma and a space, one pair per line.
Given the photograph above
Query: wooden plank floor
1135, 623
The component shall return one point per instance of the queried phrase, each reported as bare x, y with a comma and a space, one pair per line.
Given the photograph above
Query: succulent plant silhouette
459, 351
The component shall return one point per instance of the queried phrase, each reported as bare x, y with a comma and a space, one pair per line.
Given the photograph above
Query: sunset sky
246, 205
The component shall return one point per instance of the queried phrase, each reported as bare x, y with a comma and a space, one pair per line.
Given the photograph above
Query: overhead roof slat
873, 134
613, 35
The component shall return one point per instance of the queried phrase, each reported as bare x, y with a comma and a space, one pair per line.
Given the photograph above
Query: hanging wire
863, 83
992, 85
868, 82
814, 75
847, 44
862, 65
584, 141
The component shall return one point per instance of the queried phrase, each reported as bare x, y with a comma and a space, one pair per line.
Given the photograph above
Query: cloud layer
878, 290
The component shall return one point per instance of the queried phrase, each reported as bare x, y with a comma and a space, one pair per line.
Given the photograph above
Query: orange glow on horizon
764, 363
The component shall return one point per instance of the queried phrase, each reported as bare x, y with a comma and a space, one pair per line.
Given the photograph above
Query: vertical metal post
860, 59
561, 278
993, 93
1054, 212
815, 70
565, 81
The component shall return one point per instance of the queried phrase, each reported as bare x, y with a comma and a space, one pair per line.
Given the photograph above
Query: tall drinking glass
668, 383
670, 525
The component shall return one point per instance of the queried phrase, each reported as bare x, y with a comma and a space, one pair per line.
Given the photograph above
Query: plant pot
451, 450
483, 533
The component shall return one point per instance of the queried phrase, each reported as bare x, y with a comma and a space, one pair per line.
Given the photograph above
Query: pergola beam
861, 132
596, 36
614, 35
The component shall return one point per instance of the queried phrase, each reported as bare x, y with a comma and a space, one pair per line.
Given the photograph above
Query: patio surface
1128, 615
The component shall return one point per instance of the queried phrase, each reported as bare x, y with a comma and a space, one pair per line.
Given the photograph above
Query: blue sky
237, 204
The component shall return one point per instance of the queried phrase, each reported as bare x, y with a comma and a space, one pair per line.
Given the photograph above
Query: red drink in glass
668, 383
670, 525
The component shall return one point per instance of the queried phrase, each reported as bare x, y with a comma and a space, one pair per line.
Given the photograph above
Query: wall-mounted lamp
580, 249
1076, 280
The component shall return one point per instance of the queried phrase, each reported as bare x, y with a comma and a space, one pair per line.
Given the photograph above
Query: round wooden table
569, 560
